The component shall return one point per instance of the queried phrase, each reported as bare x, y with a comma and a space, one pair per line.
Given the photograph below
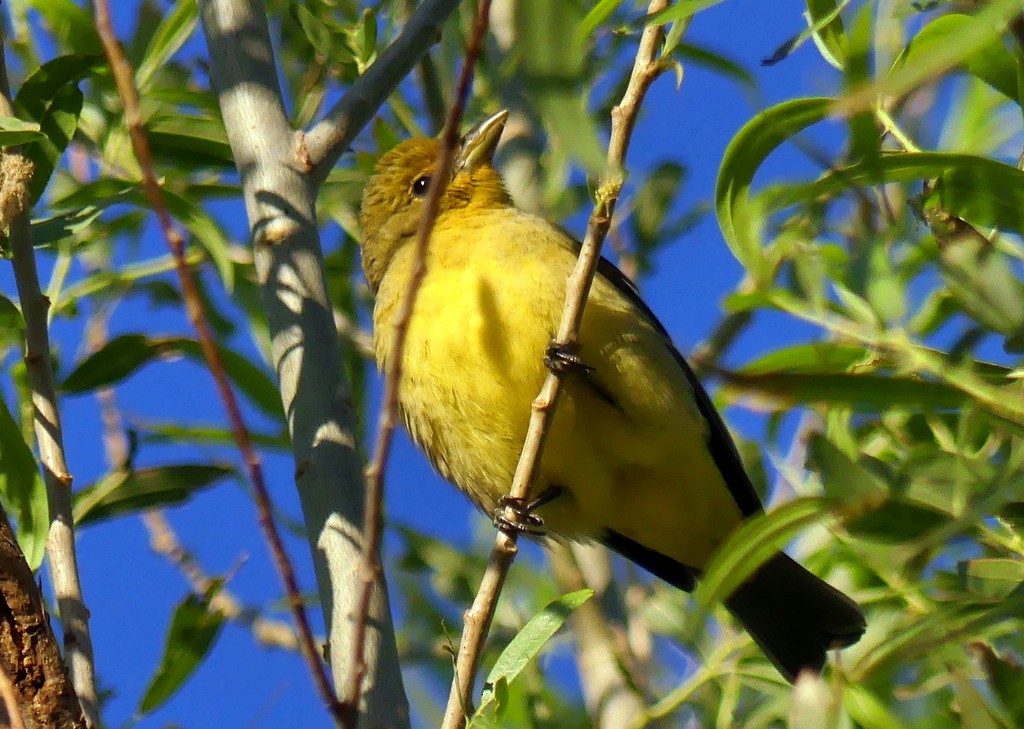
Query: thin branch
60, 544
370, 565
123, 78
267, 632
332, 135
162, 538
477, 620
280, 200
609, 692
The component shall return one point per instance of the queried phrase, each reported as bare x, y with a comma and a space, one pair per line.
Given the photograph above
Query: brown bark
29, 654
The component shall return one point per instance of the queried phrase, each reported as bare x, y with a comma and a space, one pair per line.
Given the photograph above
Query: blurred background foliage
894, 416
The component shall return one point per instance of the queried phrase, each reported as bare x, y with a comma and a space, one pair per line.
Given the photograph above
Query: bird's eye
420, 187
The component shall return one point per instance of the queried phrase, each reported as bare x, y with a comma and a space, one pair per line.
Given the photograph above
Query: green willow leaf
1006, 676
111, 363
754, 543
125, 354
864, 392
819, 22
14, 131
175, 28
71, 24
988, 25
190, 140
194, 629
843, 478
23, 490
597, 15
528, 642
815, 357
982, 191
50, 96
126, 492
992, 577
829, 35
737, 214
991, 62
553, 68
677, 11
896, 521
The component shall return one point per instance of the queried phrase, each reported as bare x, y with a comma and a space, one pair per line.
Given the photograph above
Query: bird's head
393, 198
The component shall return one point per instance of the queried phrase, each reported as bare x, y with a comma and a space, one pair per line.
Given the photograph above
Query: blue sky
130, 591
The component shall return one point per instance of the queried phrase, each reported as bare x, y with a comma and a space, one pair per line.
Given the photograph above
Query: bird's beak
478, 144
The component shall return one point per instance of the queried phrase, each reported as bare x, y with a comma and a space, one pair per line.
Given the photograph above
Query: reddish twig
123, 78
478, 618
370, 566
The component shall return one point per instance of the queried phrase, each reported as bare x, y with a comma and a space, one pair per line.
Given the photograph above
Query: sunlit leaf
987, 26
744, 156
830, 36
14, 131
990, 62
71, 24
529, 641
992, 577
755, 542
176, 26
982, 191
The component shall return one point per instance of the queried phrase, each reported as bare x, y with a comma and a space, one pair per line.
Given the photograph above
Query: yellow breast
627, 442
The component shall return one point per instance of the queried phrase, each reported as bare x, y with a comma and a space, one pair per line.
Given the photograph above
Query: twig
60, 543
280, 201
370, 565
123, 78
477, 620
10, 698
162, 538
333, 134
164, 541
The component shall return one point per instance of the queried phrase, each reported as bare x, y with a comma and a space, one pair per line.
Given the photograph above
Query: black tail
794, 616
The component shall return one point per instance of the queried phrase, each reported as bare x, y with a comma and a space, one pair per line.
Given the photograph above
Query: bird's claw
525, 521
564, 357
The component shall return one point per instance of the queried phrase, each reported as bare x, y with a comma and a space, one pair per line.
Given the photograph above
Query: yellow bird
637, 457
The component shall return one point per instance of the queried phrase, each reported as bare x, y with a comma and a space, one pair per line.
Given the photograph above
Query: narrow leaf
744, 156
123, 492
175, 28
194, 628
22, 489
14, 131
896, 521
755, 542
529, 641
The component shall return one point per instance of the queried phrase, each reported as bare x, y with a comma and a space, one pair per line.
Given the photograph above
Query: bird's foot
564, 357
525, 522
